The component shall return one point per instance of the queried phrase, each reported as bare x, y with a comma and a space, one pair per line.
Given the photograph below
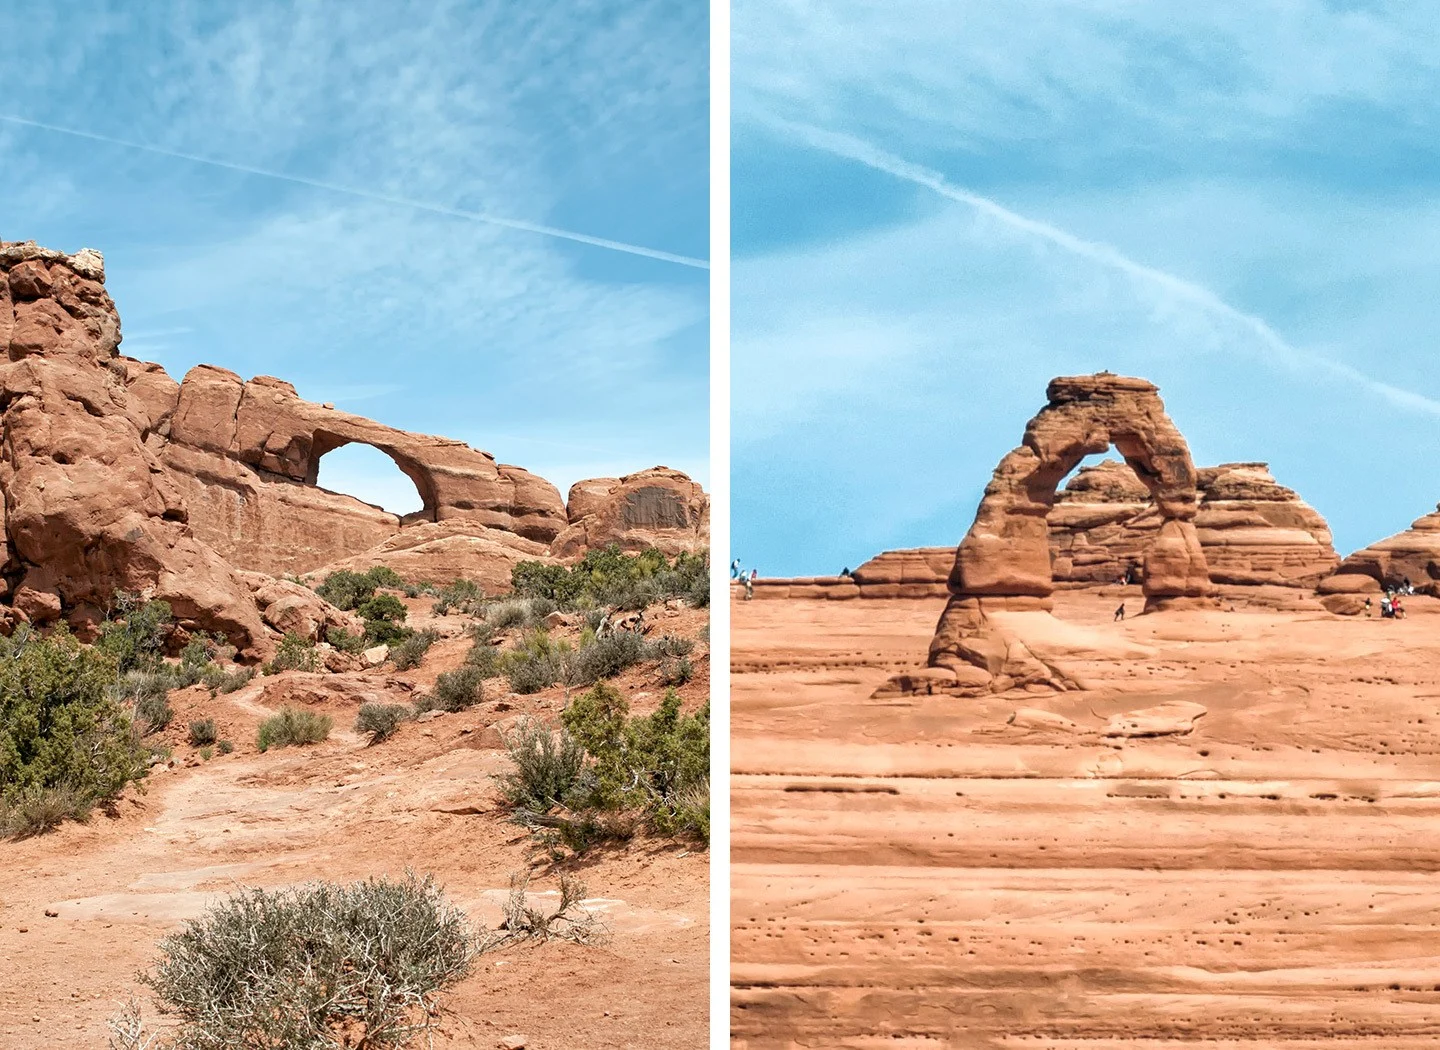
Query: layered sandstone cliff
1253, 533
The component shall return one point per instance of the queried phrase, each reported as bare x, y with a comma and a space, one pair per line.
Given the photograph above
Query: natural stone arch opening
1003, 565
424, 489
1006, 553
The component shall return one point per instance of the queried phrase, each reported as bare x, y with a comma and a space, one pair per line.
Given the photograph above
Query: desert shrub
224, 746
536, 663
569, 921
676, 672
548, 764
485, 658
381, 720
38, 810
383, 607
314, 966
462, 595
614, 578
347, 590
147, 696
669, 645
66, 742
456, 690
292, 727
607, 657
207, 752
202, 732
296, 653
516, 612
134, 633
221, 681
409, 652
194, 659
687, 815
644, 762
345, 641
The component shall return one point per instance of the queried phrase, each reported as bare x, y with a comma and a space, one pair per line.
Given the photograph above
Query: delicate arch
1003, 563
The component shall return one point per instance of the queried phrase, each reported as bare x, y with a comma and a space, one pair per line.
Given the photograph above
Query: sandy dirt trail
340, 810
916, 871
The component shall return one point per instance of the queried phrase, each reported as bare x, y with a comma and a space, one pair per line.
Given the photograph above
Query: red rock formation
1253, 532
439, 552
89, 509
115, 477
658, 507
1413, 554
1003, 563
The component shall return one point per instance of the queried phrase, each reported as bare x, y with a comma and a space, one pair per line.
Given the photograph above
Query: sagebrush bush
296, 653
456, 690
669, 645
487, 659
222, 681
536, 663
609, 656
412, 650
548, 766
314, 966
516, 612
676, 672
224, 746
462, 596
66, 742
203, 731
293, 727
381, 720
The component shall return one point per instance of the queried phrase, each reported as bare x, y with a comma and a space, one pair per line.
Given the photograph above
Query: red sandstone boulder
658, 507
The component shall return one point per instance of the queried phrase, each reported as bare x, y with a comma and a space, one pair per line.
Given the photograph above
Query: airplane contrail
1187, 291
383, 198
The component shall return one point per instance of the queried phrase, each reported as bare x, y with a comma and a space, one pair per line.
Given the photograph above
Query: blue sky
565, 358
940, 204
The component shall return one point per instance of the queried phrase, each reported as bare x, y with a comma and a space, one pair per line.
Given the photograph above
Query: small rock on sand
1171, 718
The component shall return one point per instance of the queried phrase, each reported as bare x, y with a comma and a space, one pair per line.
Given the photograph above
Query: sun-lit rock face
113, 476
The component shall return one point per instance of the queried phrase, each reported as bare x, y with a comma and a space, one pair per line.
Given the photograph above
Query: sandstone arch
323, 442
1003, 563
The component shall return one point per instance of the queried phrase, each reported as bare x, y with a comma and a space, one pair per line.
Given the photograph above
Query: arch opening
371, 475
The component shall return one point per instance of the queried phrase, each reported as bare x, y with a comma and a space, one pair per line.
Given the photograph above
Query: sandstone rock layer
659, 508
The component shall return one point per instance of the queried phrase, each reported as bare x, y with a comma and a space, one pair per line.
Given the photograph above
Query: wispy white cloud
1177, 291
383, 198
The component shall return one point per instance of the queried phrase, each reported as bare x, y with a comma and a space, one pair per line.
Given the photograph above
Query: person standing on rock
1120, 613
735, 569
749, 582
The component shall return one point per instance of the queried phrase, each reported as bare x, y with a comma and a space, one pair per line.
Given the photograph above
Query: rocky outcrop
1003, 563
441, 552
1253, 532
89, 507
1412, 555
659, 508
114, 477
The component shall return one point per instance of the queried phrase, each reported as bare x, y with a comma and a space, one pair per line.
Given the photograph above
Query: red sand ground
916, 872
341, 810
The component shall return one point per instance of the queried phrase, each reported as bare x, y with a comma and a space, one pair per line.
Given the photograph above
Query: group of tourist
747, 580
1391, 607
